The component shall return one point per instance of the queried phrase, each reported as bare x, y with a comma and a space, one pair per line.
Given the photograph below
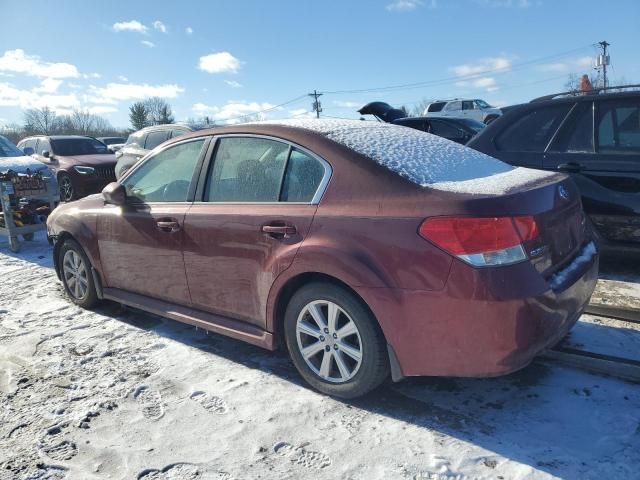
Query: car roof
164, 126
57, 137
599, 94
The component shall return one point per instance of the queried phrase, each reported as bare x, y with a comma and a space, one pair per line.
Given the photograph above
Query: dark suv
596, 139
143, 141
82, 165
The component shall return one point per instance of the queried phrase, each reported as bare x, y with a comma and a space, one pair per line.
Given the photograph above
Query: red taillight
481, 240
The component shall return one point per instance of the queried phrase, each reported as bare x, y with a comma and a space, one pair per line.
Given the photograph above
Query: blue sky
229, 58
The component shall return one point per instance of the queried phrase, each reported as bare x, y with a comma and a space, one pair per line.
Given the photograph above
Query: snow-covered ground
119, 394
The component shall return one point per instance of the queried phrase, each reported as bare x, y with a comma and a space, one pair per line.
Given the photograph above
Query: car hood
22, 164
96, 160
383, 111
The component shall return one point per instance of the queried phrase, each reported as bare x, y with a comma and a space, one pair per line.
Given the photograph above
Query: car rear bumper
484, 322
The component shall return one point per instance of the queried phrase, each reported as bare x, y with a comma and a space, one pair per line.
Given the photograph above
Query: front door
257, 205
141, 242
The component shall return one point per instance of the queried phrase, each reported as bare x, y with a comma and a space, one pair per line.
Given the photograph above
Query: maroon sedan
363, 248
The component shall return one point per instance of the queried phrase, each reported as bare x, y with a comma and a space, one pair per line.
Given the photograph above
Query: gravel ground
118, 394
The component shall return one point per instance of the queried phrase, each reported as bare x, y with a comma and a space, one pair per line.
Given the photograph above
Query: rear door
257, 201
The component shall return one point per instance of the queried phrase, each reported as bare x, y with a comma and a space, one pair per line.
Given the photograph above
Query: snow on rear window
423, 158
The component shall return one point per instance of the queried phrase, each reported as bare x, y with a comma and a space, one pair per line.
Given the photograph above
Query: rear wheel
334, 341
76, 274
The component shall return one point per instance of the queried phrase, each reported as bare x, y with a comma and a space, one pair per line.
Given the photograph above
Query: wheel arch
295, 283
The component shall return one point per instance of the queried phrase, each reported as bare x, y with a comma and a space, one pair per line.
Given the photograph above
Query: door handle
168, 226
570, 167
279, 231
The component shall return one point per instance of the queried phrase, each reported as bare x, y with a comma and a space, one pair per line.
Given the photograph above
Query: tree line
45, 121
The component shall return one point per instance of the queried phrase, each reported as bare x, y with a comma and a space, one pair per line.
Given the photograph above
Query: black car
459, 130
593, 137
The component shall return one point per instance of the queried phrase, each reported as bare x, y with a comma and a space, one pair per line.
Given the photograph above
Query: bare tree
42, 121
83, 122
158, 111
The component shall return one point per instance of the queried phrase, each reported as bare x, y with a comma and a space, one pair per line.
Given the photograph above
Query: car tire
65, 185
326, 358
75, 271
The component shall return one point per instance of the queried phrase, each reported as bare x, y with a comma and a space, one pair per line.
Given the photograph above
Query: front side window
619, 127
135, 140
443, 129
165, 176
7, 149
247, 169
303, 177
179, 131
155, 138
482, 104
43, 144
533, 131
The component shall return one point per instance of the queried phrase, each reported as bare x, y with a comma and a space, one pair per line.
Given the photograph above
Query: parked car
595, 139
360, 247
114, 143
476, 109
82, 165
14, 159
140, 143
459, 130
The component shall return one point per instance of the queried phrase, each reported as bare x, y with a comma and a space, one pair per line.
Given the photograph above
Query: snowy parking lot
120, 394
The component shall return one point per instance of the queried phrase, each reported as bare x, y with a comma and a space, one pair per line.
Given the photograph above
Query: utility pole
317, 106
603, 61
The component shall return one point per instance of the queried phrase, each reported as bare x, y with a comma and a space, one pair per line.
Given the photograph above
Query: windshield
8, 149
483, 104
78, 146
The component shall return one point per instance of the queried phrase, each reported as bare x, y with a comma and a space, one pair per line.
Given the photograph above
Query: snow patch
423, 158
587, 253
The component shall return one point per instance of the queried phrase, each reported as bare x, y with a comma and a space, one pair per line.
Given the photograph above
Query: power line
408, 86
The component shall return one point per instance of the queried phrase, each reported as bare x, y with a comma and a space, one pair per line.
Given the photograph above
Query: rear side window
436, 107
178, 131
533, 131
467, 105
619, 127
576, 135
247, 169
155, 138
443, 129
302, 178
453, 106
416, 123
43, 144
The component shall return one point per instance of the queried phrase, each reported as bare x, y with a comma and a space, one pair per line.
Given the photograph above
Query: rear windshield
78, 146
436, 107
8, 149
420, 157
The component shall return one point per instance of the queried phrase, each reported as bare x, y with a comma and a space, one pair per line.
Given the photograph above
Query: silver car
14, 159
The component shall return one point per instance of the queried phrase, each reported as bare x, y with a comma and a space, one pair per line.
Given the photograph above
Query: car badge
563, 192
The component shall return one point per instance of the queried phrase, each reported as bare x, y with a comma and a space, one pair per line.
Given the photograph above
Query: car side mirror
115, 194
28, 151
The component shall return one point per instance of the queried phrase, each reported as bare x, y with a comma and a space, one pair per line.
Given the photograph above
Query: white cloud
161, 27
409, 5
570, 65
48, 85
122, 78
100, 109
233, 84
188, 31
14, 97
301, 113
115, 92
147, 43
130, 26
220, 62
91, 75
484, 65
347, 104
486, 83
17, 61
232, 110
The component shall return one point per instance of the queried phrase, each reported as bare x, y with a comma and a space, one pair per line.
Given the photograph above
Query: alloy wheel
329, 341
66, 189
76, 275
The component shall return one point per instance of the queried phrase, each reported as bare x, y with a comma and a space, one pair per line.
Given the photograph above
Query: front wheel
67, 192
76, 274
334, 341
